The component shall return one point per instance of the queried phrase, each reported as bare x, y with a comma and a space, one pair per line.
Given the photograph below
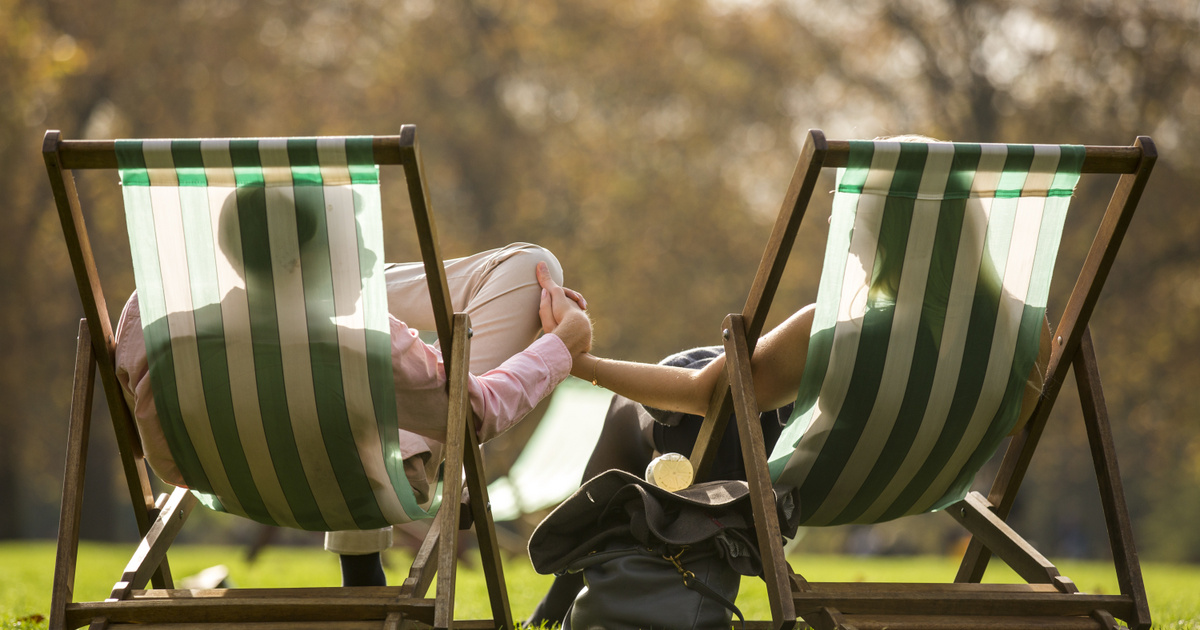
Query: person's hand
562, 313
557, 301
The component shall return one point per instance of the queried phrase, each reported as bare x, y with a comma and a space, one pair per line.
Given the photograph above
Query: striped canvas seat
927, 324
259, 270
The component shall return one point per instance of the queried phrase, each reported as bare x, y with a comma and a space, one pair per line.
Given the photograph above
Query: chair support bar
78, 431
975, 514
1097, 159
153, 548
101, 154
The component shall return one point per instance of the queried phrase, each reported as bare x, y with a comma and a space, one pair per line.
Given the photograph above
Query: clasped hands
562, 312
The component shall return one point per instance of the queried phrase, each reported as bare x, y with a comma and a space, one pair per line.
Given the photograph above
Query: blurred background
649, 144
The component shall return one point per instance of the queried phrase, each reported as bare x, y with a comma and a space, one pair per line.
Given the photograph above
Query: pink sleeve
500, 397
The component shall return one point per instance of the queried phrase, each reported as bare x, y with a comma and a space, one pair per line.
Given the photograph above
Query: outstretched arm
661, 386
777, 364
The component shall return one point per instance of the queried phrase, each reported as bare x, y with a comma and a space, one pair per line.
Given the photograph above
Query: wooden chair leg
78, 430
1108, 476
149, 561
452, 481
476, 479
766, 521
485, 533
447, 533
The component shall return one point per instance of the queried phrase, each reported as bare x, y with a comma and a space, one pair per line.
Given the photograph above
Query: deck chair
927, 322
259, 269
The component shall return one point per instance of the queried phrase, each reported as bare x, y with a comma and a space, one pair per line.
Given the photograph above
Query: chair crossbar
984, 599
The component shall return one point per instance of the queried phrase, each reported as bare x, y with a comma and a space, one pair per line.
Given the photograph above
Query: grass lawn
1174, 590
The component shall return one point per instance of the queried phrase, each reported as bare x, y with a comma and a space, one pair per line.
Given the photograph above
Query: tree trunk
101, 512
10, 496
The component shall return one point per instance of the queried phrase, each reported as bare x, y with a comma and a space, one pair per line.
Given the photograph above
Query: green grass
1174, 590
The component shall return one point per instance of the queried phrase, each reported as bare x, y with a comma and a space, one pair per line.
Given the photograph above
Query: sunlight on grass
1174, 590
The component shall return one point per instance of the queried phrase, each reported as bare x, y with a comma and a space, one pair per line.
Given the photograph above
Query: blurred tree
35, 61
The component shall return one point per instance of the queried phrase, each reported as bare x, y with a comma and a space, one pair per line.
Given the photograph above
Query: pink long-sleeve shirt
499, 397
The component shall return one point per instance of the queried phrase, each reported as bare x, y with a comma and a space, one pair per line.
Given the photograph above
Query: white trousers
498, 289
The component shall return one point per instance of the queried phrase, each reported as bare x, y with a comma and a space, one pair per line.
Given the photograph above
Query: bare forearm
661, 386
576, 332
777, 366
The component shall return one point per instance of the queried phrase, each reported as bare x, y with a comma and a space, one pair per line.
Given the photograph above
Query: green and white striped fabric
927, 324
259, 269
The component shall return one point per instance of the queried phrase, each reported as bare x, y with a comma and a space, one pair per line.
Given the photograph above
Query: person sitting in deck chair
512, 369
777, 365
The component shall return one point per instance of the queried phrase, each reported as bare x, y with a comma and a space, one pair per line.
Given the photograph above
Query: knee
522, 258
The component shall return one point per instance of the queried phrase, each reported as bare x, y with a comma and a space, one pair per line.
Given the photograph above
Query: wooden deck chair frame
159, 520
1049, 599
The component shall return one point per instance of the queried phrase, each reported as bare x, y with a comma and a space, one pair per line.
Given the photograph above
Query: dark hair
884, 283
243, 226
